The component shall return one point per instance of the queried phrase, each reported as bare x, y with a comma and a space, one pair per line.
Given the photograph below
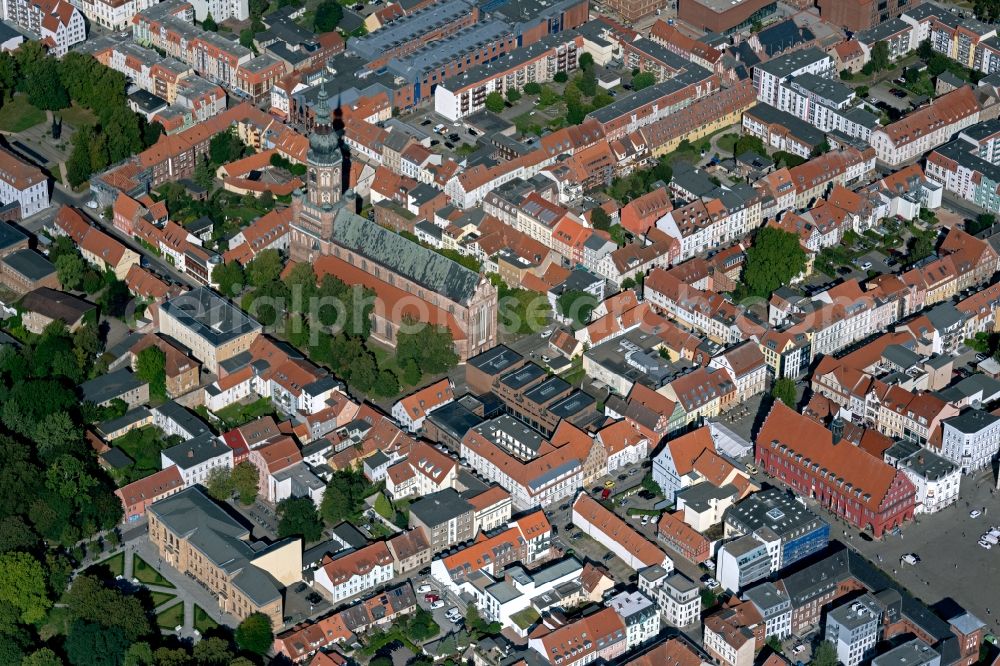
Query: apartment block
57, 23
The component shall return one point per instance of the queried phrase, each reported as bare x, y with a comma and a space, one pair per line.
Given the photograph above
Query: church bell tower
325, 160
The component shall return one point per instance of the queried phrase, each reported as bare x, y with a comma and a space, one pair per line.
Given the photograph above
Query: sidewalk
187, 590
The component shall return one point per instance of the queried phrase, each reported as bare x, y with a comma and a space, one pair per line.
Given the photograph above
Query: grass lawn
18, 115
236, 415
160, 598
78, 116
115, 563
171, 617
242, 212
727, 142
145, 573
202, 622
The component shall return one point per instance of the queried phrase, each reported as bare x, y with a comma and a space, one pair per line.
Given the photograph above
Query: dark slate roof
9, 234
411, 260
209, 315
783, 36
30, 264
109, 386
440, 507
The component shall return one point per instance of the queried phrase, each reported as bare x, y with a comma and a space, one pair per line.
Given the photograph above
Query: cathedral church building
411, 282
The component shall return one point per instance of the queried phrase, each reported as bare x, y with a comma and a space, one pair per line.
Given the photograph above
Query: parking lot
953, 568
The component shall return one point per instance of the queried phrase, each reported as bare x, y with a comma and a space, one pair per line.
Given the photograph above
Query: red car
606, 493
431, 598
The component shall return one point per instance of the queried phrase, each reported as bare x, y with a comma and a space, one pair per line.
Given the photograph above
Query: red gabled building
844, 478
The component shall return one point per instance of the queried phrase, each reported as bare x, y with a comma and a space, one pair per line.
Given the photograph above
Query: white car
92, 204
798, 648
711, 583
645, 519
454, 611
865, 266
437, 604
546, 334
423, 589
985, 544
975, 513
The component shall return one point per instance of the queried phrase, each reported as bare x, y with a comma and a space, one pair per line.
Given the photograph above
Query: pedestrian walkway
185, 589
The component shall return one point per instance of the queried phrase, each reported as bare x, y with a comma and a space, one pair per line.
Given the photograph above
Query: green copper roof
411, 260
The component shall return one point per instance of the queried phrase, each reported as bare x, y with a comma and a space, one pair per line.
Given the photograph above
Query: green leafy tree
230, 278
421, 626
585, 61
246, 482
748, 142
90, 644
775, 258
225, 147
78, 166
44, 86
213, 651
89, 600
219, 484
151, 367
600, 219
302, 285
246, 39
264, 268
532, 88
204, 174
577, 306
513, 95
494, 102
547, 97
586, 81
297, 516
55, 435
209, 23
560, 77
774, 643
784, 390
650, 485
42, 657
254, 634
386, 383
432, 348
824, 655
329, 14
880, 56
69, 270
344, 497
23, 587
643, 80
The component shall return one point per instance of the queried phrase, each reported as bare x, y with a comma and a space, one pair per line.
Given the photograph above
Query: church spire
324, 157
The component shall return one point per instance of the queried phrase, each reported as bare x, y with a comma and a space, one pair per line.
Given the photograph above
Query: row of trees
53, 84
332, 321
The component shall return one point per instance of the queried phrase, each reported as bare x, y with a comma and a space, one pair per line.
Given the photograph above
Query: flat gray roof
209, 316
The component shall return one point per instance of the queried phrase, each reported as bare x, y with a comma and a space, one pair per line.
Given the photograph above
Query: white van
909, 558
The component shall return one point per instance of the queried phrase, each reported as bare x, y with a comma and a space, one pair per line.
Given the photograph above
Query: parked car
798, 648
437, 604
424, 589
866, 266
711, 583
431, 598
975, 513
546, 334
910, 558
985, 544
645, 520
